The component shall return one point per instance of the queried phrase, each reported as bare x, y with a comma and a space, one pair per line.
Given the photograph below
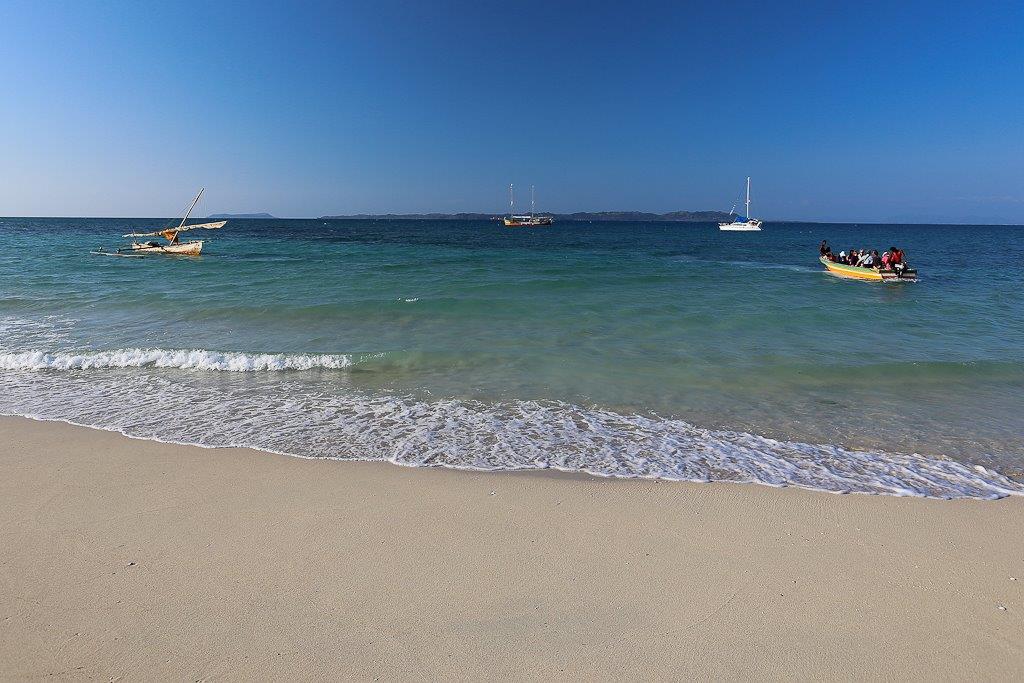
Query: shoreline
135, 557
993, 483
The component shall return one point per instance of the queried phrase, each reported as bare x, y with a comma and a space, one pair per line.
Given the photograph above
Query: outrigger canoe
193, 248
861, 273
174, 246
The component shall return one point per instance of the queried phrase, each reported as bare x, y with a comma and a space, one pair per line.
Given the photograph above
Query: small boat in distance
742, 223
173, 246
531, 221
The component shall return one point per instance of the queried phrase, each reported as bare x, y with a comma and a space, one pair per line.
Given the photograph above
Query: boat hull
740, 227
869, 274
527, 222
183, 249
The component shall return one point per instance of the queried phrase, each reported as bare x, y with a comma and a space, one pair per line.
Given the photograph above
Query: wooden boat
173, 245
873, 274
190, 248
523, 221
526, 221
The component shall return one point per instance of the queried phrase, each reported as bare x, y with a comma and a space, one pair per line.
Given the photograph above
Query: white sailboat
743, 223
173, 246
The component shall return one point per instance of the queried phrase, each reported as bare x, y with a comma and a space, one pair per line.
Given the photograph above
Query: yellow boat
861, 273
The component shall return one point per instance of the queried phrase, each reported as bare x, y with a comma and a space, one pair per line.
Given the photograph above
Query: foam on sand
117, 390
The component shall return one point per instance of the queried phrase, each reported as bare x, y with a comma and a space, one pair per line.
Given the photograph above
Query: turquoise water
669, 350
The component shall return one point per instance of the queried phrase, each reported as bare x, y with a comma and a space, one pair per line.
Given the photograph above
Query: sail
197, 226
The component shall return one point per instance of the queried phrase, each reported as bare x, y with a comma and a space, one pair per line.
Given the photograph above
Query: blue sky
856, 112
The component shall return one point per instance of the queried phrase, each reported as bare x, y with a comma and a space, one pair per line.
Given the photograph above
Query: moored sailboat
173, 245
742, 223
523, 221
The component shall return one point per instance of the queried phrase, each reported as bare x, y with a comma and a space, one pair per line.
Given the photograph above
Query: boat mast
748, 198
511, 201
532, 203
194, 202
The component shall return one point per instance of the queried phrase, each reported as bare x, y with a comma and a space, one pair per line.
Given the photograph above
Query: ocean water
653, 350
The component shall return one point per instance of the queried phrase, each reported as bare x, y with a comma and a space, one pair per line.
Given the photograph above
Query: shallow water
669, 350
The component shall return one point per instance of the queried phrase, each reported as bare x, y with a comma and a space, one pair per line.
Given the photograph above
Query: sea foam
196, 359
302, 416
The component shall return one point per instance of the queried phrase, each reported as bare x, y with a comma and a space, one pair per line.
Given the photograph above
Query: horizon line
356, 217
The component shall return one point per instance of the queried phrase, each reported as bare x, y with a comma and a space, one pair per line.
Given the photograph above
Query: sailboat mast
511, 201
194, 202
533, 206
748, 197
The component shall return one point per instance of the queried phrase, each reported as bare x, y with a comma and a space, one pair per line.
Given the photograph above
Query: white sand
129, 558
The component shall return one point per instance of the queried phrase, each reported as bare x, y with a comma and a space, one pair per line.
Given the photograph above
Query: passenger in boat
863, 258
896, 261
823, 248
885, 259
842, 257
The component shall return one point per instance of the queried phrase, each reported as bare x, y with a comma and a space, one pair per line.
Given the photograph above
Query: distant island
240, 215
592, 216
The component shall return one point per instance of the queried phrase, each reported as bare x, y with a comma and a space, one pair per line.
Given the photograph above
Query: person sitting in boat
896, 261
864, 257
824, 249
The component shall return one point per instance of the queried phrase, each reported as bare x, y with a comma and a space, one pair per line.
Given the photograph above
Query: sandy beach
129, 558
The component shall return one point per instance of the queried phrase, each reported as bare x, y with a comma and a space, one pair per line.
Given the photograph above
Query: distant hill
239, 215
415, 216
641, 216
604, 216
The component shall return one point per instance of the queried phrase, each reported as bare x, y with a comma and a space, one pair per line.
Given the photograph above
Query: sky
860, 111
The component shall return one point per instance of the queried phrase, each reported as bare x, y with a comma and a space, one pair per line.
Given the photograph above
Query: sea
658, 350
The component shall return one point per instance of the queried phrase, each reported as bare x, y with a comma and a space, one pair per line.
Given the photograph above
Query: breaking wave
196, 359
